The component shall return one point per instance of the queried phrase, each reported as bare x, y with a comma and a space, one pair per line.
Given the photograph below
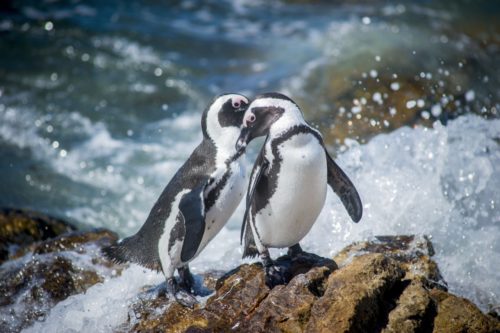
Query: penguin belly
225, 205
299, 195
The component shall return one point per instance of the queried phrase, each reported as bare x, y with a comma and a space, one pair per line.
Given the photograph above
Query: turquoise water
100, 103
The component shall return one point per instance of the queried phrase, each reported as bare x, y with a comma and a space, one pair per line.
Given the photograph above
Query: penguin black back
142, 248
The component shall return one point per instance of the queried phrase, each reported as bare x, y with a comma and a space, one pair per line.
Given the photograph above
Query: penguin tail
249, 247
116, 253
129, 250
250, 252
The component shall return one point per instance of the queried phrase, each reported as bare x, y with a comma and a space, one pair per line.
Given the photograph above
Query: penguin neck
288, 119
224, 141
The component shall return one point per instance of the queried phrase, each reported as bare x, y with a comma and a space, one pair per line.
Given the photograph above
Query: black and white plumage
196, 203
289, 179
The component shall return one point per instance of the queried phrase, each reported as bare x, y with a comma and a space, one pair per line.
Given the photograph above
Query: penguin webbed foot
275, 275
183, 297
297, 255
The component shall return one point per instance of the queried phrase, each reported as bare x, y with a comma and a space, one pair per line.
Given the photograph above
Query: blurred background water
100, 103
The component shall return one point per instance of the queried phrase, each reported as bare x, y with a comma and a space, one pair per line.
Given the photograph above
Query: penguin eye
249, 119
236, 104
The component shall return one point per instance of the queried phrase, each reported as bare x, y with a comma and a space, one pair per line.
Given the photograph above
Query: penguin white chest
299, 195
229, 197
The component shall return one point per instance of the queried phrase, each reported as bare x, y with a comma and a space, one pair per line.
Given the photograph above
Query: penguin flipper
192, 208
343, 187
246, 236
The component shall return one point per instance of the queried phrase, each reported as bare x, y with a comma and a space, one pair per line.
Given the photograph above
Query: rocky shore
385, 284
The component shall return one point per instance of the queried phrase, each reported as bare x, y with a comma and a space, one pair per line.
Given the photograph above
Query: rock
287, 308
456, 314
19, 228
414, 311
357, 296
46, 266
386, 284
412, 252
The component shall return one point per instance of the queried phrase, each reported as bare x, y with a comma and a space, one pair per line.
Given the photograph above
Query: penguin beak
243, 139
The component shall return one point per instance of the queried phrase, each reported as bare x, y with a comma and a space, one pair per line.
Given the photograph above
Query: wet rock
19, 228
413, 253
72, 241
288, 308
382, 285
361, 97
46, 266
237, 295
386, 284
456, 314
414, 311
357, 295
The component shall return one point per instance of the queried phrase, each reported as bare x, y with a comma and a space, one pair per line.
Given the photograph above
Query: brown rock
238, 293
412, 252
71, 241
356, 296
456, 314
238, 299
47, 272
288, 308
414, 312
19, 228
382, 286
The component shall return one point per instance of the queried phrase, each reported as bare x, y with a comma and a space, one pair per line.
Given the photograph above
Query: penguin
196, 203
288, 182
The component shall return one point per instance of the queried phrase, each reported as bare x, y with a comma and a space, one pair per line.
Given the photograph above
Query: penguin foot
295, 250
183, 297
275, 275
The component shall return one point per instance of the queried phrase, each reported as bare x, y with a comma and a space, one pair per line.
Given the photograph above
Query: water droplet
470, 95
48, 26
158, 71
395, 86
411, 104
436, 110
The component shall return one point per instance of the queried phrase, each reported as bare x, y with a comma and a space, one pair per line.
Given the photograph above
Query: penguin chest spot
299, 195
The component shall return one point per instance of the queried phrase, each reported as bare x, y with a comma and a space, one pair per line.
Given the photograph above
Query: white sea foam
102, 308
443, 182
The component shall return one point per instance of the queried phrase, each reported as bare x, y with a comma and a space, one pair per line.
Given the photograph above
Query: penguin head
266, 112
222, 119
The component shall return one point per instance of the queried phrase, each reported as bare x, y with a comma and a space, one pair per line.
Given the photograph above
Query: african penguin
196, 203
288, 182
